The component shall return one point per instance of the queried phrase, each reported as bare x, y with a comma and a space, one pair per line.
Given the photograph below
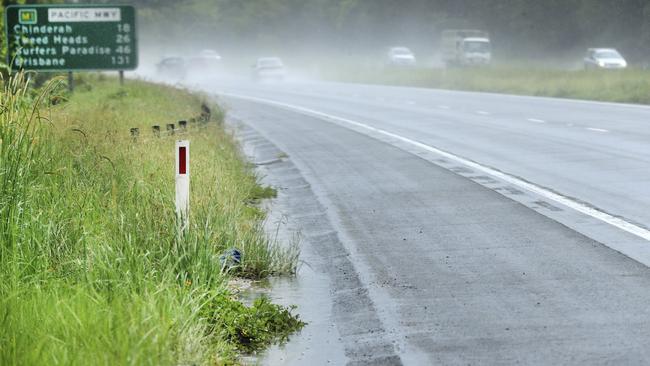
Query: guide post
66, 38
183, 184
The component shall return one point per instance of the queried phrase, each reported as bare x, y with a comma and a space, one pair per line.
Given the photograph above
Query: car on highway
172, 67
466, 48
205, 62
207, 58
604, 58
269, 69
400, 56
210, 55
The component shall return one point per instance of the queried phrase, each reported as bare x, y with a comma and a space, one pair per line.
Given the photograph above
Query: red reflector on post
182, 183
182, 160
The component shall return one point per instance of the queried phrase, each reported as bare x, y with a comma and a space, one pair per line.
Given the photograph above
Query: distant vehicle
210, 55
172, 67
205, 61
400, 56
466, 47
269, 69
604, 58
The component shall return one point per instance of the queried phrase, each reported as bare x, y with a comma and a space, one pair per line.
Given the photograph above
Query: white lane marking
597, 130
541, 191
444, 107
410, 102
483, 113
535, 120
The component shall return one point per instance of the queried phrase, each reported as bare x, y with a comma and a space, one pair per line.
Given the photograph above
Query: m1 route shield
71, 37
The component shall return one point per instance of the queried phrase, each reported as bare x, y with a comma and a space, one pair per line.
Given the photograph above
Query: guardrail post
206, 113
70, 82
135, 132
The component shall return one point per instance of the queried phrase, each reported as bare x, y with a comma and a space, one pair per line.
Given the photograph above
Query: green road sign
71, 37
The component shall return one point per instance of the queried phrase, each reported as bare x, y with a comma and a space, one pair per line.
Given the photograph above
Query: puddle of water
318, 342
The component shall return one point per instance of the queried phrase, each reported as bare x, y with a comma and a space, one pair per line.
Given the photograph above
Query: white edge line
543, 192
597, 129
483, 113
536, 120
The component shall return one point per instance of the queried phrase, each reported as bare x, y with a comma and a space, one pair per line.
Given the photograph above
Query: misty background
319, 30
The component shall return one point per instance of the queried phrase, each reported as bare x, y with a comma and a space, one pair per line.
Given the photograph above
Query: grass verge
92, 268
627, 86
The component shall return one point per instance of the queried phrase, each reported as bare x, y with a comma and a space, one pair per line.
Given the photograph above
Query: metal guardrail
182, 126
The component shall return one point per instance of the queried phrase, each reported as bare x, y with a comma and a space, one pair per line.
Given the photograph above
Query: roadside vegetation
626, 86
92, 268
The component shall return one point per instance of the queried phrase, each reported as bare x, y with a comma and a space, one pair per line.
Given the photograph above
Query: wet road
598, 153
434, 260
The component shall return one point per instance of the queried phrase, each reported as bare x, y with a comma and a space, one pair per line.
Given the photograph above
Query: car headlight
601, 63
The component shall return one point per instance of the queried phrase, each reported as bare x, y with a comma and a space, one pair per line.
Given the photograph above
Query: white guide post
183, 183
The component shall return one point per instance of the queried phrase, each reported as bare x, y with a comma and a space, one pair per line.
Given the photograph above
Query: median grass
92, 267
626, 86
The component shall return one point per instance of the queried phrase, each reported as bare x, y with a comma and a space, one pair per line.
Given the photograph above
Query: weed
251, 328
259, 193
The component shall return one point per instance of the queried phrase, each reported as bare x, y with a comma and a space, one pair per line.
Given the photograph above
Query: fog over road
429, 192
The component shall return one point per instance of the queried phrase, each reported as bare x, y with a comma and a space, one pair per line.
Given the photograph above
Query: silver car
604, 58
400, 56
269, 69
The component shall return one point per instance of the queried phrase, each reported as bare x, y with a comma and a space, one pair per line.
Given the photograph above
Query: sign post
70, 82
66, 38
183, 184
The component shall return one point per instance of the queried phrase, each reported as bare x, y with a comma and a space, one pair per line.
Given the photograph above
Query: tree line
518, 27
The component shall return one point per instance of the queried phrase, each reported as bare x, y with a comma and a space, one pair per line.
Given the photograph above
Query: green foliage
251, 328
627, 86
92, 267
21, 156
259, 193
55, 322
518, 26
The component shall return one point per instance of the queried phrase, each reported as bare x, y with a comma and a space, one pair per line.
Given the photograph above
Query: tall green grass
20, 156
92, 268
628, 86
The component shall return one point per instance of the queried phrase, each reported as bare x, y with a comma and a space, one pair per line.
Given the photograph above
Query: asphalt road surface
469, 228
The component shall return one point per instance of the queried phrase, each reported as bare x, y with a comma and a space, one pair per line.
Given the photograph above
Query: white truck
466, 47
